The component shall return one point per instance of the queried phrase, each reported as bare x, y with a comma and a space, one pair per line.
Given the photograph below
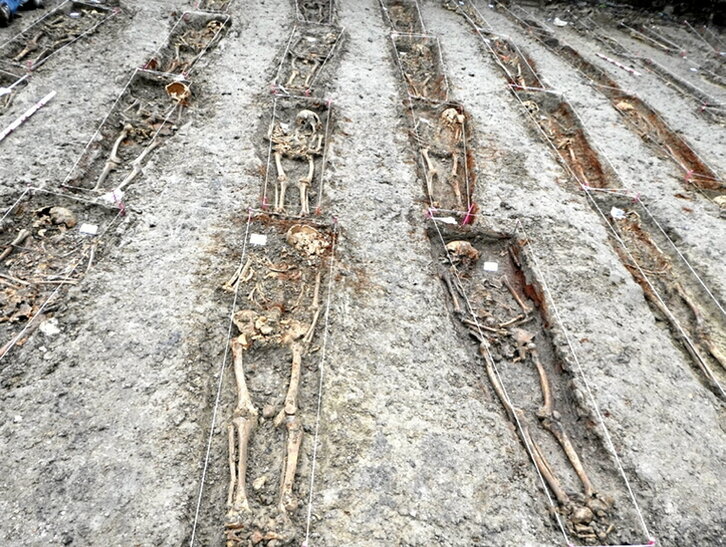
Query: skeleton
269, 325
586, 517
305, 143
196, 41
54, 34
307, 55
144, 128
446, 140
314, 11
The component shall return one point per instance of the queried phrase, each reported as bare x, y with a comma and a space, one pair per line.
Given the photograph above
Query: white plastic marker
22, 119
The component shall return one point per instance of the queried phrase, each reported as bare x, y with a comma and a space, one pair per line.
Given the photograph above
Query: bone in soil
48, 36
509, 330
530, 376
297, 139
707, 108
149, 111
315, 11
281, 296
41, 247
311, 46
193, 35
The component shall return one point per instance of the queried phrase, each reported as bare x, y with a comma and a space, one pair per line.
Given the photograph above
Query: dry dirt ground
116, 375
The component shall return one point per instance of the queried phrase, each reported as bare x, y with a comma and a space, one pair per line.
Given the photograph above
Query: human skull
307, 240
462, 252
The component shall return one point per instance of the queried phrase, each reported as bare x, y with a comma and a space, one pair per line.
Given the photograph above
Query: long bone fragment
31, 46
551, 422
431, 172
525, 308
19, 239
304, 186
290, 406
294, 440
516, 416
245, 420
137, 168
283, 182
240, 275
294, 429
113, 160
316, 312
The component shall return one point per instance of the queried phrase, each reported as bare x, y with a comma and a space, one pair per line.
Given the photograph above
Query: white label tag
89, 229
258, 239
617, 214
445, 220
491, 266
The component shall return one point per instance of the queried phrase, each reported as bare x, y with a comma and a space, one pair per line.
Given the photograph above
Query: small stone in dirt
268, 411
259, 482
50, 327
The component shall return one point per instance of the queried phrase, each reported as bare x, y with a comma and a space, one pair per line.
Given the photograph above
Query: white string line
434, 102
705, 100
321, 372
285, 53
593, 402
602, 31
63, 281
329, 56
321, 185
10, 209
34, 23
649, 39
661, 36
123, 91
491, 362
611, 165
586, 187
429, 37
700, 37
220, 383
213, 42
420, 21
269, 158
683, 258
621, 90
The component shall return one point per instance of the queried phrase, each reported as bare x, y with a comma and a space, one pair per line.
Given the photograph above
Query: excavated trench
278, 295
640, 118
61, 27
707, 107
407, 431
686, 316
494, 299
48, 242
